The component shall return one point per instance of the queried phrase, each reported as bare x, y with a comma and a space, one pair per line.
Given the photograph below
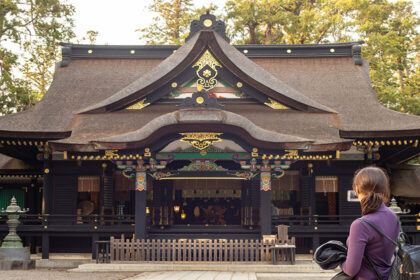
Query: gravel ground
53, 274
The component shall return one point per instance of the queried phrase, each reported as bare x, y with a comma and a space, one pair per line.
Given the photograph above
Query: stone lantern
396, 209
12, 253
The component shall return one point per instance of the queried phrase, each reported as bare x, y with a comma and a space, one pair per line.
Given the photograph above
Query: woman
371, 185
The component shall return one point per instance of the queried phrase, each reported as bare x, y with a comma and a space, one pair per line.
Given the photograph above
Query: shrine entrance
207, 202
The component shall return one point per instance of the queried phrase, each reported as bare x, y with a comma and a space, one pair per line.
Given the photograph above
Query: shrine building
207, 140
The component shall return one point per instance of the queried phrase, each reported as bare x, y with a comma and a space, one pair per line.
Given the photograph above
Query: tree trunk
268, 34
252, 36
400, 74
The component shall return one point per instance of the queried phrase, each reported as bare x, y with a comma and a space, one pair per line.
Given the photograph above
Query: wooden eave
154, 141
41, 135
380, 134
81, 51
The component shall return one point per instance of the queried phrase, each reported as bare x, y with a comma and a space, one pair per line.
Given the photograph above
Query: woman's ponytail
373, 184
371, 202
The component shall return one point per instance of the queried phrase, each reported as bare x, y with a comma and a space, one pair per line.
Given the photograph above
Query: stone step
294, 276
307, 267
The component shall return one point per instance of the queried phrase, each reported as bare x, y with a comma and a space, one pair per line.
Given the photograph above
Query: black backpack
406, 264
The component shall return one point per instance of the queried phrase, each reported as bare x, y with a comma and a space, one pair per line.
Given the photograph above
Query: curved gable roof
180, 61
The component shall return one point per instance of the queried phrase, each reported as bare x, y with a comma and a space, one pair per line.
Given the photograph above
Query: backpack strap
384, 235
372, 265
379, 231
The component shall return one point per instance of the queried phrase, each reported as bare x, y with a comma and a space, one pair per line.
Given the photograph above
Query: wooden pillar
309, 202
140, 196
265, 203
95, 238
30, 197
246, 215
31, 204
47, 187
101, 191
45, 245
46, 206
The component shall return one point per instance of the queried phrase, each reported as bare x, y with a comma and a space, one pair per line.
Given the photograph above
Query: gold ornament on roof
200, 140
199, 100
276, 105
207, 23
291, 153
139, 105
111, 153
207, 71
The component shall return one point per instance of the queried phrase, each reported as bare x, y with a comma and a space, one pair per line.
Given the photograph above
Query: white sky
116, 21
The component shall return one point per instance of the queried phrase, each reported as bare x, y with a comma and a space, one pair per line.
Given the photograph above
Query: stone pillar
140, 220
265, 202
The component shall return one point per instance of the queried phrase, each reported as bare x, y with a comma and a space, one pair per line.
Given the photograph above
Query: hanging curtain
123, 183
88, 184
325, 184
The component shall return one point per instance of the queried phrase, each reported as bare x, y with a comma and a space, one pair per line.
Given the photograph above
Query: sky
116, 21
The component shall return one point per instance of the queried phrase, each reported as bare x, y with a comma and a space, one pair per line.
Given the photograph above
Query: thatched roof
330, 94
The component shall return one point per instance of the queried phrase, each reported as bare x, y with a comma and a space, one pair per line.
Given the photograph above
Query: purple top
363, 238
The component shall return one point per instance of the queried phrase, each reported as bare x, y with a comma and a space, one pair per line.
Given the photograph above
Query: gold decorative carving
276, 105
207, 71
200, 140
291, 153
199, 100
111, 153
139, 105
207, 23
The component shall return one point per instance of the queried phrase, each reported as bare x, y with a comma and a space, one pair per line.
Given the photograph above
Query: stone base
11, 254
17, 264
15, 258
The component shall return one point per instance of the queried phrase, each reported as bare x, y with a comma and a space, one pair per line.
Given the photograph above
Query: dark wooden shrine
204, 141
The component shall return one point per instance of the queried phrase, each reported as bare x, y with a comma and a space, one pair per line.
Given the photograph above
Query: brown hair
373, 183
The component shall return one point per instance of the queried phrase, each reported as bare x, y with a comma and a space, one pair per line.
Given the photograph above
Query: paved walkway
217, 275
58, 274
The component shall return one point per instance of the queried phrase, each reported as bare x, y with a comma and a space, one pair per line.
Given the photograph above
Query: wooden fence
187, 250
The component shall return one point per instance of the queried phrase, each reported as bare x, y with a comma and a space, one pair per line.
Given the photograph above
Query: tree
392, 49
90, 37
29, 34
171, 25
286, 21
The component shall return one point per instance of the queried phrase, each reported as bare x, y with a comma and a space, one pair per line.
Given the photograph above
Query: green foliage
171, 25
29, 34
89, 38
392, 49
286, 22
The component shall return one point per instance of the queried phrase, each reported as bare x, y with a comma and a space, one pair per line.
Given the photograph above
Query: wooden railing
331, 220
189, 250
125, 224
